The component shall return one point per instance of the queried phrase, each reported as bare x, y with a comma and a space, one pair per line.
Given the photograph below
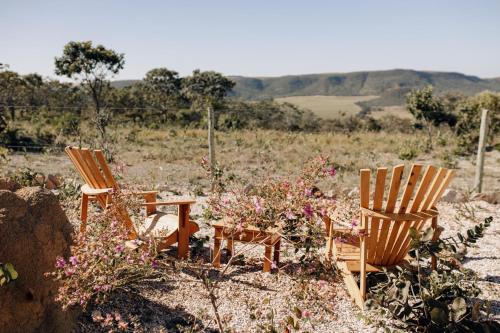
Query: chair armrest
145, 193
173, 202
95, 191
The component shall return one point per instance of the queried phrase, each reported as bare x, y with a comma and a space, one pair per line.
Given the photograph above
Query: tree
163, 89
92, 67
469, 120
206, 90
11, 84
427, 108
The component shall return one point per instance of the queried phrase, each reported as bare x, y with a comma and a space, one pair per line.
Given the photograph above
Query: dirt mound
33, 231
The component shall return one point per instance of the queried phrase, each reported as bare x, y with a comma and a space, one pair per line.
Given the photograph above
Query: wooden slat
77, 153
108, 176
423, 188
447, 180
354, 266
89, 159
378, 198
364, 187
405, 200
69, 151
397, 174
352, 286
436, 184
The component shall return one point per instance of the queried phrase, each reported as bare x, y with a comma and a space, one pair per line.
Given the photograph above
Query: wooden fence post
483, 131
211, 142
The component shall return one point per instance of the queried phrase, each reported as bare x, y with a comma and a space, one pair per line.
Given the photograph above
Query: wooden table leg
183, 244
230, 247
217, 243
267, 258
277, 250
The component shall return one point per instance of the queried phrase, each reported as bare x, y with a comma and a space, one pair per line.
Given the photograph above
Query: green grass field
328, 107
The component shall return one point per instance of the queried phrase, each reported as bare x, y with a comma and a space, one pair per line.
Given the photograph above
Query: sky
258, 37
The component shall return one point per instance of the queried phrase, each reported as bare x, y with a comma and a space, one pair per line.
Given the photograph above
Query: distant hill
391, 86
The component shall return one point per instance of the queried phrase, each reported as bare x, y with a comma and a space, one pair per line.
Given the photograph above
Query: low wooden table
269, 238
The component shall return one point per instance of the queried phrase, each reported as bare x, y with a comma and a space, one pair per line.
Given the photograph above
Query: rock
452, 196
33, 231
52, 182
9, 185
490, 197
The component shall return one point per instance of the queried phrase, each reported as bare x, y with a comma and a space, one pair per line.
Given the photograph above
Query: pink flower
354, 223
60, 262
73, 260
308, 211
109, 320
97, 316
290, 215
308, 192
154, 264
239, 228
258, 205
273, 265
122, 325
306, 314
331, 171
321, 283
119, 248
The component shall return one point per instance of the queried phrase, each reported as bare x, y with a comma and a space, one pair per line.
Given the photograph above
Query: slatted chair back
388, 226
92, 167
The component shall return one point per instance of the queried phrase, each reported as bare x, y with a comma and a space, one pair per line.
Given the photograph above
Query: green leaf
427, 235
439, 316
12, 272
458, 308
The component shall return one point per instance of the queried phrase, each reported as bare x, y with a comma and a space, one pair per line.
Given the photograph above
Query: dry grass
328, 107
171, 158
396, 110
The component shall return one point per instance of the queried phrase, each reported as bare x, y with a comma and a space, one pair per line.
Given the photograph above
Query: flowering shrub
296, 208
103, 259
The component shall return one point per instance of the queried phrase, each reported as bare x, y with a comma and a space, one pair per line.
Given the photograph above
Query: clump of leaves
7, 273
426, 300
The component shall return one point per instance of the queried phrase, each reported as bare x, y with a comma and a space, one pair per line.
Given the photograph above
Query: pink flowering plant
294, 207
103, 259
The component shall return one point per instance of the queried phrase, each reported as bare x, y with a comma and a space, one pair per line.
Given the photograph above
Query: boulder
33, 231
490, 197
452, 196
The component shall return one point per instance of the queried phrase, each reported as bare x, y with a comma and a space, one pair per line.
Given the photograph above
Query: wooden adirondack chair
99, 183
384, 233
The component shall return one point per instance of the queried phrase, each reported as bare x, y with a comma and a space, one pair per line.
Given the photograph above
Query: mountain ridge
391, 85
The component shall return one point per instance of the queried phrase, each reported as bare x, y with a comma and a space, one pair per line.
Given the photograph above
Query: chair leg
267, 258
217, 244
362, 273
277, 249
230, 247
84, 212
183, 245
434, 226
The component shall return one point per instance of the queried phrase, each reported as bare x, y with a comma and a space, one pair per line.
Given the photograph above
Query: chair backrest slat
89, 159
397, 174
400, 229
378, 198
108, 176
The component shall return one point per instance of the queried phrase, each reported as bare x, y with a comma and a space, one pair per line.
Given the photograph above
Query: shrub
103, 260
426, 300
294, 207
